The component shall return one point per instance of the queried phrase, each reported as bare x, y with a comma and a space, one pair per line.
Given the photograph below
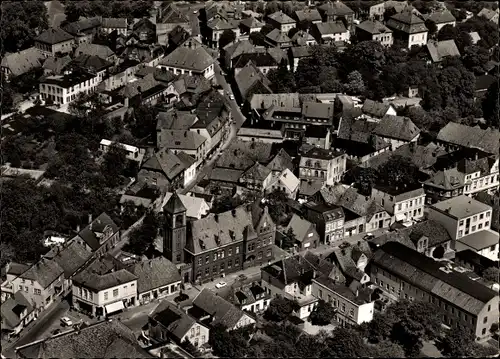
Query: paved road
238, 120
39, 328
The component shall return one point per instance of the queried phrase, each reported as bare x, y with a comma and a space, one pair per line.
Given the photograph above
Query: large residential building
19, 63
100, 236
63, 89
461, 216
105, 287
281, 21
352, 307
336, 10
401, 203
456, 136
409, 27
463, 303
441, 18
53, 41
110, 24
376, 31
329, 220
190, 58
330, 32
322, 165
17, 313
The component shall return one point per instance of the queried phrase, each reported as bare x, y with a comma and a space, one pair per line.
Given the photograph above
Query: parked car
242, 277
66, 322
220, 285
56, 331
231, 96
344, 245
369, 236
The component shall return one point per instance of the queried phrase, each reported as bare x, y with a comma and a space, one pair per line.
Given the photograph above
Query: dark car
56, 331
242, 277
369, 236
344, 245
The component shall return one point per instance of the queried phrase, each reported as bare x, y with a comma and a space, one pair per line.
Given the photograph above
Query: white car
220, 285
231, 96
66, 321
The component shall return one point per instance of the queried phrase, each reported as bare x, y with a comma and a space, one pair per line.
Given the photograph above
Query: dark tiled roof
23, 61
472, 137
95, 50
362, 296
12, 309
259, 59
326, 28
281, 161
401, 236
101, 275
448, 179
441, 17
175, 320
45, 272
281, 18
80, 26
88, 234
374, 27
310, 188
376, 109
407, 22
308, 15
175, 120
167, 162
359, 204
251, 23
226, 175
197, 59
107, 339
54, 36
425, 273
483, 82
174, 205
336, 8
242, 155
397, 127
291, 270
70, 258
402, 193
434, 231
222, 311
278, 36
442, 49
249, 77
300, 227
91, 62
181, 140
155, 273
17, 268
56, 64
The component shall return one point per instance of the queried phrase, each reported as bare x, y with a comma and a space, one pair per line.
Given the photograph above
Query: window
474, 219
229, 252
461, 222
115, 292
485, 320
481, 216
237, 250
199, 261
269, 253
473, 228
342, 308
399, 206
37, 291
487, 214
259, 255
207, 259
192, 332
207, 271
351, 313
105, 295
229, 263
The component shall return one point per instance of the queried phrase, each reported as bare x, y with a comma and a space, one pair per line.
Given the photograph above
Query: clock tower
174, 238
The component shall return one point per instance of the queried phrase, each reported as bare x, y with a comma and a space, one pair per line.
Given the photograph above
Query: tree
379, 329
345, 343
366, 57
398, 171
114, 164
387, 349
227, 37
323, 314
461, 343
141, 239
279, 309
431, 26
282, 79
355, 84
277, 204
491, 274
363, 177
226, 344
462, 39
289, 239
474, 57
20, 23
491, 106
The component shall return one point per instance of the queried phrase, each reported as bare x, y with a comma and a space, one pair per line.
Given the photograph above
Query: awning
400, 217
114, 307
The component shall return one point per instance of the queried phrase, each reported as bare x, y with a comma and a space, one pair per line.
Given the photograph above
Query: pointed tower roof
174, 205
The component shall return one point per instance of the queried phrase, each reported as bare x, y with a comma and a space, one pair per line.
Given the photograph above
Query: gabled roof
175, 320
281, 18
192, 204
132, 89
308, 15
181, 140
251, 23
424, 272
359, 204
441, 49
95, 50
175, 120
166, 161
327, 28
88, 234
106, 339
278, 36
488, 13
239, 47
291, 270
221, 310
220, 229
92, 62
397, 127
302, 39
257, 172
80, 26
54, 36
447, 179
433, 230
440, 17
374, 27
23, 61
281, 161
197, 59
286, 178
374, 108
70, 258
336, 8
56, 64
310, 188
259, 59
402, 193
300, 227
243, 154
12, 309
248, 77
218, 24
44, 272
155, 273
472, 137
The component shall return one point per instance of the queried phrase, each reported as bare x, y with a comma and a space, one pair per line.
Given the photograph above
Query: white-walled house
401, 203
167, 322
63, 89
102, 289
353, 308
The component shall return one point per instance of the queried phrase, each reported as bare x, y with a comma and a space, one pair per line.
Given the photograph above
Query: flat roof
461, 207
480, 240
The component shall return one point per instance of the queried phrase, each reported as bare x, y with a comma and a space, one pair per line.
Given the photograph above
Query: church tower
174, 238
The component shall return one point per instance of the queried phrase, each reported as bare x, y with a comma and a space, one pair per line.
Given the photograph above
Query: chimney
185, 133
78, 228
216, 217
476, 156
233, 212
314, 274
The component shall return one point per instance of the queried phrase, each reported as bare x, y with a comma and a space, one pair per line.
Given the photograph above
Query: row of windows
475, 218
411, 203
